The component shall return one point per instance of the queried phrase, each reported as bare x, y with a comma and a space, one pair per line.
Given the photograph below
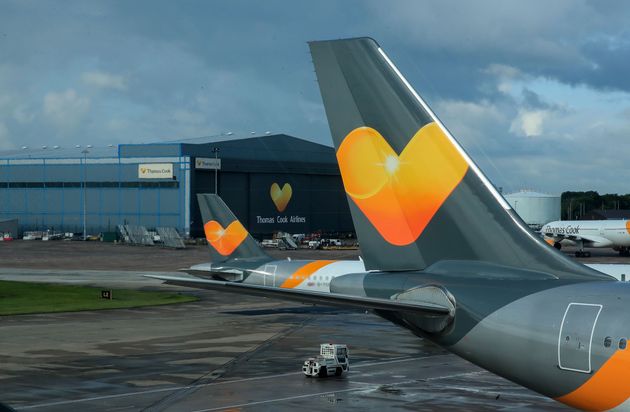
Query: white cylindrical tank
536, 209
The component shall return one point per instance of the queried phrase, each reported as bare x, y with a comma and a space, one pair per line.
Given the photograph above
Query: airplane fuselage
577, 348
575, 351
562, 338
593, 233
311, 275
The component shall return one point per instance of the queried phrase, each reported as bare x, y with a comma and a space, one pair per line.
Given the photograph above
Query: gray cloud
105, 72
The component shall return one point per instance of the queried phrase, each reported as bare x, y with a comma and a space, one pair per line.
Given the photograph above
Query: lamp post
85, 153
215, 150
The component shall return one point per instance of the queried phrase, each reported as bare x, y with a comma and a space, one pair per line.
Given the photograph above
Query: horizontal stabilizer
318, 298
227, 275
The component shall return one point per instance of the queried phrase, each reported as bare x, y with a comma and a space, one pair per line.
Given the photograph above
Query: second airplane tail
227, 237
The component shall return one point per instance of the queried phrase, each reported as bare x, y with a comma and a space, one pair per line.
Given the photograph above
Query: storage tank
535, 208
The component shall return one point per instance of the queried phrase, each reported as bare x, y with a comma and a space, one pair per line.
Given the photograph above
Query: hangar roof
271, 147
277, 152
275, 147
60, 153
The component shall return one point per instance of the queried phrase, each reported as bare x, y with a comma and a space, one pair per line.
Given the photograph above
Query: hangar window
622, 343
607, 342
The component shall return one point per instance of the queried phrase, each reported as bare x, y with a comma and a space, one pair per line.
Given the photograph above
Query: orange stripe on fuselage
304, 272
609, 387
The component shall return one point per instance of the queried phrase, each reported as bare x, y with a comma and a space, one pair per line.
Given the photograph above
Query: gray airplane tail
227, 237
415, 196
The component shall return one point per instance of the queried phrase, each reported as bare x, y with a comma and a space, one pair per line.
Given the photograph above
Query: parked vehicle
333, 359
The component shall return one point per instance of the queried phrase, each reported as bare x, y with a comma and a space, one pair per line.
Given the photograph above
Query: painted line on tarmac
288, 398
177, 388
365, 385
455, 375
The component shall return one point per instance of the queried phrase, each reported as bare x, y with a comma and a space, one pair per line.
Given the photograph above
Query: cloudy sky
538, 92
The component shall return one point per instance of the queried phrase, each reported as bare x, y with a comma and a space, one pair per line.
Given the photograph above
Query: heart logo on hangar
280, 197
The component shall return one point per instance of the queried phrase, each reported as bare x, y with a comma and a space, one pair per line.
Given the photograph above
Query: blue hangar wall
272, 183
54, 192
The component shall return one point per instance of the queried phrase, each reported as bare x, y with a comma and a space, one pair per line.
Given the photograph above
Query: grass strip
17, 298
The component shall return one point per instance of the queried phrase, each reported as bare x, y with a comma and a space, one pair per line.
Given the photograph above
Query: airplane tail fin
227, 237
415, 196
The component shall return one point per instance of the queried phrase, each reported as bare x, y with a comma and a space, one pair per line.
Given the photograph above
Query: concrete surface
224, 352
227, 353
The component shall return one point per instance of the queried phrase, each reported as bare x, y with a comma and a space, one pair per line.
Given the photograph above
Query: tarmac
227, 352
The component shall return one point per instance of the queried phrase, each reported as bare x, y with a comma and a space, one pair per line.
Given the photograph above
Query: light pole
215, 150
85, 153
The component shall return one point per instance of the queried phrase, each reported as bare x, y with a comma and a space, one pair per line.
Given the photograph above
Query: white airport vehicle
332, 360
589, 233
32, 235
51, 236
269, 243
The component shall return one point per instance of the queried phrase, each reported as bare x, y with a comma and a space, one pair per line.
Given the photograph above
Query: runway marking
455, 375
365, 385
203, 385
497, 391
288, 398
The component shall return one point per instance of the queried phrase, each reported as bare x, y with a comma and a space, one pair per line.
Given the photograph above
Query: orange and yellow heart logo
282, 196
400, 194
225, 241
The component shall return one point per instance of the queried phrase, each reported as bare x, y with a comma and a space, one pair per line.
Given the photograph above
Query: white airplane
236, 257
589, 233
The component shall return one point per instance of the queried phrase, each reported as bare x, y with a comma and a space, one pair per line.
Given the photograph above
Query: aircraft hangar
271, 182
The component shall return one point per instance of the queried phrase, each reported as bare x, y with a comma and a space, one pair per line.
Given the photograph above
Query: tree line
576, 204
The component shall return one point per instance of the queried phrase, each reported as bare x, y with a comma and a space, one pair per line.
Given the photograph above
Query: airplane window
622, 343
607, 342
